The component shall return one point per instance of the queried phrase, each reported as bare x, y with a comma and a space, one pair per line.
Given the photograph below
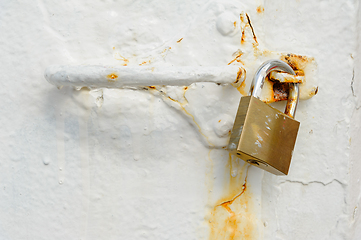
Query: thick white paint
122, 77
131, 164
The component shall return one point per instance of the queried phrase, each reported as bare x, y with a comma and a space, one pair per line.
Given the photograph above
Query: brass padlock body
263, 136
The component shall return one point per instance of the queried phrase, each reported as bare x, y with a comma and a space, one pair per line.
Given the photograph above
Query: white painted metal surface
150, 164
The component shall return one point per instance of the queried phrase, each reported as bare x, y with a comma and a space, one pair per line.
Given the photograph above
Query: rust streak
228, 223
250, 25
179, 40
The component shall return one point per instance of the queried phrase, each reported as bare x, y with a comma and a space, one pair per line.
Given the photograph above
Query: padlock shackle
260, 76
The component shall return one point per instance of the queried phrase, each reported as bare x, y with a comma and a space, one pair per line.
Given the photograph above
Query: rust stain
243, 38
120, 57
288, 108
145, 62
250, 25
235, 24
241, 89
237, 58
185, 88
232, 218
112, 77
285, 77
260, 9
297, 62
239, 74
280, 91
220, 120
165, 50
152, 87
241, 17
179, 40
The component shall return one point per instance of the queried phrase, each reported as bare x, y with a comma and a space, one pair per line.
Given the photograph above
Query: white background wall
131, 164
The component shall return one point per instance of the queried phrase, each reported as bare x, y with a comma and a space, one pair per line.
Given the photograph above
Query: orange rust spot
185, 88
145, 62
166, 49
120, 57
235, 24
243, 38
241, 18
113, 48
260, 9
219, 120
151, 87
112, 77
179, 40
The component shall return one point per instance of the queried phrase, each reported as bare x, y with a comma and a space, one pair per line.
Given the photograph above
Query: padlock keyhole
256, 162
251, 161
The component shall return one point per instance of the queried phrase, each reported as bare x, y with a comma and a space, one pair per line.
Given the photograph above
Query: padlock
262, 135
